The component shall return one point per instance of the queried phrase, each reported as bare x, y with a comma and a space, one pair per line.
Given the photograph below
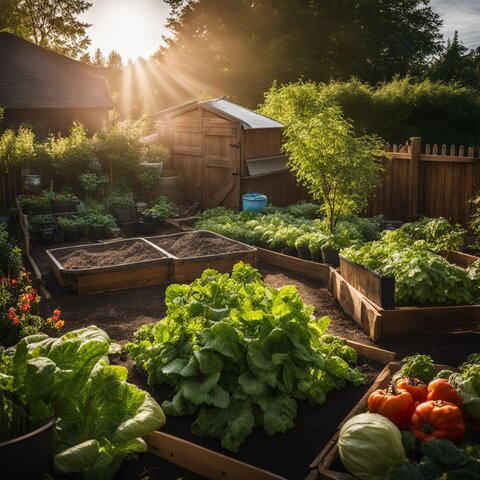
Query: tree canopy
52, 24
241, 49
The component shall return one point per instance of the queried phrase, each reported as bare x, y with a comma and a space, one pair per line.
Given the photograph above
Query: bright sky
131, 27
135, 27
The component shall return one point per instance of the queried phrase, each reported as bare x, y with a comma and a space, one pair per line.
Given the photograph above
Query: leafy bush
100, 417
37, 222
10, 255
92, 217
156, 153
117, 199
161, 209
17, 149
421, 276
239, 353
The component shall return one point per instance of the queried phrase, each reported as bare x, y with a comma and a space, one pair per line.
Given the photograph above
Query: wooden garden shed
224, 150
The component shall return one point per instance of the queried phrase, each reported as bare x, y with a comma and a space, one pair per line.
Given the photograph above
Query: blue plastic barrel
254, 202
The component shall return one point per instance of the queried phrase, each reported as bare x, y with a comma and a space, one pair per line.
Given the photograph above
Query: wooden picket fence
438, 182
418, 181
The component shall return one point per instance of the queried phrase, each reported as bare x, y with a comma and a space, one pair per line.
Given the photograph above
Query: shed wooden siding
258, 143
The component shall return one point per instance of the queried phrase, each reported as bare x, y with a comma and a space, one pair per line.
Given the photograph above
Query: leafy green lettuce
239, 353
100, 417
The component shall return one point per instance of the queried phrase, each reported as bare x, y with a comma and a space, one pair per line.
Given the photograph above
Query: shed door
222, 166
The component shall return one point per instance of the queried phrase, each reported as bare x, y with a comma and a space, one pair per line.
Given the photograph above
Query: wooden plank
330, 451
446, 158
356, 305
202, 461
379, 289
461, 259
414, 179
404, 156
373, 353
318, 271
431, 320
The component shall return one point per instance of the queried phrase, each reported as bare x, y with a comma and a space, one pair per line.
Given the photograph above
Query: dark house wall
44, 121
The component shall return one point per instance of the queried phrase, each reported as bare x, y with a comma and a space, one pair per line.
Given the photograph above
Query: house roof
34, 77
248, 118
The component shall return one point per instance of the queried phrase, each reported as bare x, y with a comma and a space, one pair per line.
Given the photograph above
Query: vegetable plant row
297, 226
425, 426
422, 277
239, 354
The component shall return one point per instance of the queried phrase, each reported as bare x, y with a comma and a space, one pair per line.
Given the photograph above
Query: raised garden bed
262, 457
109, 266
194, 251
327, 465
361, 293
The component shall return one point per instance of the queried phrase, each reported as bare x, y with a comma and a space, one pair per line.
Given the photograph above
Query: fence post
415, 147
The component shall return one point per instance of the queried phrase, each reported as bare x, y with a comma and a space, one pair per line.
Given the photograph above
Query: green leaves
100, 417
236, 350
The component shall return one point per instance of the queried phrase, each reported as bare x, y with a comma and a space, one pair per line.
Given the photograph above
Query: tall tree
52, 24
241, 47
98, 58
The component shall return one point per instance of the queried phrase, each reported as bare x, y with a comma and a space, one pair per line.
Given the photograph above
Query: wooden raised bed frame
216, 466
187, 269
380, 323
114, 277
329, 454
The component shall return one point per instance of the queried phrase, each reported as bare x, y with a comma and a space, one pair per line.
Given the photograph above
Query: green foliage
92, 181
338, 168
239, 353
418, 366
37, 222
100, 417
284, 40
52, 24
281, 228
10, 256
156, 154
162, 209
402, 108
441, 459
17, 148
117, 199
421, 276
94, 217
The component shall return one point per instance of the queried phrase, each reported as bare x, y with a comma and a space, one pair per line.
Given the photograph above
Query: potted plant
61, 202
34, 205
302, 243
121, 206
159, 211
154, 157
43, 226
69, 226
317, 240
334, 242
97, 223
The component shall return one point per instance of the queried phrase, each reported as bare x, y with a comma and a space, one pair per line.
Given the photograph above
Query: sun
131, 27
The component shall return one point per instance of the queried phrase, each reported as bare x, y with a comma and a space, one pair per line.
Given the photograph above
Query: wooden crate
115, 277
189, 268
216, 466
380, 289
379, 323
323, 462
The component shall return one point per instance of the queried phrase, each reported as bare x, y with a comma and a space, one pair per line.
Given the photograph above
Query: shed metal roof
248, 118
34, 77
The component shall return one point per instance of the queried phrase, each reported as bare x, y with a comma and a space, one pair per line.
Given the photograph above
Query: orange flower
15, 320
25, 307
59, 324
57, 312
14, 282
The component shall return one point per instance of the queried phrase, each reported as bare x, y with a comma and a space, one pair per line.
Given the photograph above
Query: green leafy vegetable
100, 417
239, 353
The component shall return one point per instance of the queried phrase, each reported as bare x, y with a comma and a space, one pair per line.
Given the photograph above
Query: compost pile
197, 244
108, 255
239, 353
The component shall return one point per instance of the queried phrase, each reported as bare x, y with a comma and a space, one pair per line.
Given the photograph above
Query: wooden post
414, 173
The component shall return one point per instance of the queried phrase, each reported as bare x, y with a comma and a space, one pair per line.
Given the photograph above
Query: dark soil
122, 313
105, 255
197, 244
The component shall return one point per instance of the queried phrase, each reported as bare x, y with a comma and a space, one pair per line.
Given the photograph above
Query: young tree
338, 168
51, 24
85, 58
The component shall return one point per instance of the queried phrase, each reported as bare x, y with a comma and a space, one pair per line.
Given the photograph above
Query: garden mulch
121, 313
